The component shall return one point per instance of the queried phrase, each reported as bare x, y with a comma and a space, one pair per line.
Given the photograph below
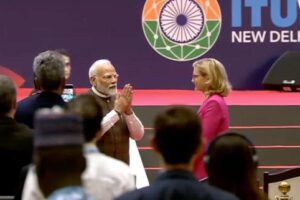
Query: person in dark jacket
16, 140
49, 70
177, 141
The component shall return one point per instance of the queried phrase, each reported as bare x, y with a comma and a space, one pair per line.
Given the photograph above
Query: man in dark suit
49, 71
177, 140
15, 139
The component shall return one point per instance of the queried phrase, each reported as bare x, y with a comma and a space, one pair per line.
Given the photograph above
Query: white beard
113, 91
107, 91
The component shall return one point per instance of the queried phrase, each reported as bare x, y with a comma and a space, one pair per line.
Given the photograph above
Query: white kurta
104, 178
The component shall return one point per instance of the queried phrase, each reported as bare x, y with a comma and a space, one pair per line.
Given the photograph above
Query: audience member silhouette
16, 140
67, 62
231, 163
49, 73
107, 177
177, 140
58, 154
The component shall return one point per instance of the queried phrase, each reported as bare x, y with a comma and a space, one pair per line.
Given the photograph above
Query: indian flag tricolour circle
181, 30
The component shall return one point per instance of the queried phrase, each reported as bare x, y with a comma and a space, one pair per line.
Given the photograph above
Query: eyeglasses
110, 76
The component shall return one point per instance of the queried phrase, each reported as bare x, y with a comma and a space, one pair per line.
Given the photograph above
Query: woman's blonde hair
216, 74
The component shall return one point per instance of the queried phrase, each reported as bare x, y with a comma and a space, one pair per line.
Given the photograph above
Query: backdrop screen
151, 43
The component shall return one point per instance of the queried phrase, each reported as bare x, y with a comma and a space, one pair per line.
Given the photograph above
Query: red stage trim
278, 166
260, 167
278, 147
264, 127
253, 127
149, 148
191, 97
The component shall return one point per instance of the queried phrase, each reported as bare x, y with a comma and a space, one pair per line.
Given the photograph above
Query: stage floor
190, 97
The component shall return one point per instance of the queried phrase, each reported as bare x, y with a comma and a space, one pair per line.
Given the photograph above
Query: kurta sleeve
135, 126
108, 121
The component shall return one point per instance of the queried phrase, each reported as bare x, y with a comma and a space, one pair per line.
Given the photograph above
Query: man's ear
13, 107
62, 85
92, 81
14, 104
154, 145
36, 83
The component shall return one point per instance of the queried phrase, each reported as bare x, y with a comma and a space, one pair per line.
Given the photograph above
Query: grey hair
49, 69
8, 94
96, 65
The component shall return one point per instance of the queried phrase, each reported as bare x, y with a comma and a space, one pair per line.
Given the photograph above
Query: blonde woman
210, 78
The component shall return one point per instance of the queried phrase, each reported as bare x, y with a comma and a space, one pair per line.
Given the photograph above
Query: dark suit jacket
27, 107
177, 185
16, 144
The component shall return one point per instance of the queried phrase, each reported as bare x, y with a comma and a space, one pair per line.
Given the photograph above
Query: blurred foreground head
177, 135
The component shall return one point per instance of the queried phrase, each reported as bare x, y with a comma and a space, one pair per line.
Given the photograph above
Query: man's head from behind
231, 161
58, 154
103, 77
87, 107
7, 95
177, 135
49, 71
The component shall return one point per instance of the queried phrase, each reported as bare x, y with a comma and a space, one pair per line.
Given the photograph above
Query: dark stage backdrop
247, 36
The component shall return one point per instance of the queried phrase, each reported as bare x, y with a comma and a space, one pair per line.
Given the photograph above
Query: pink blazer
215, 120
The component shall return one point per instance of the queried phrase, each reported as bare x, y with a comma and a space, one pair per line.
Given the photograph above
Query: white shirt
135, 126
104, 178
31, 189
